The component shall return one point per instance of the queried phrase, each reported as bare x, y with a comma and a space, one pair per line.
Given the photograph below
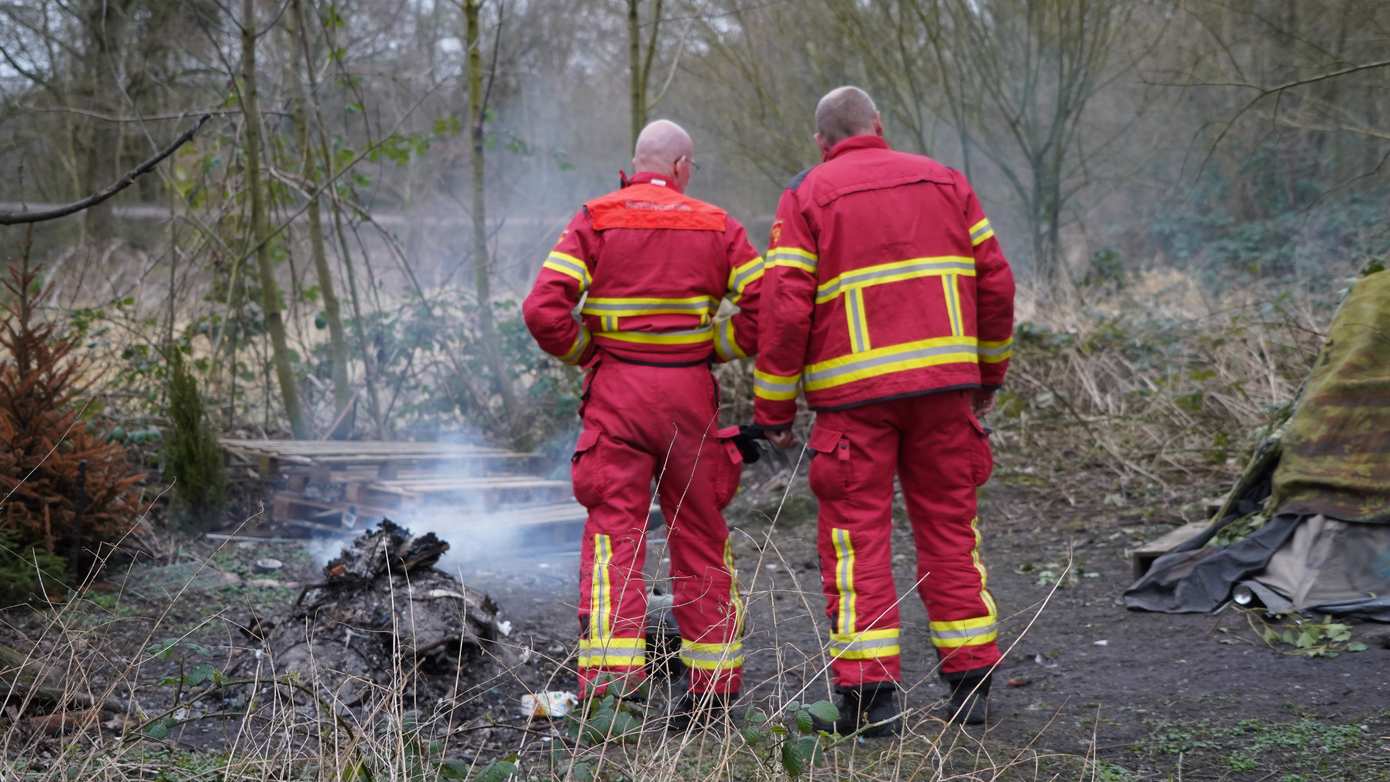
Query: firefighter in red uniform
651, 266
888, 302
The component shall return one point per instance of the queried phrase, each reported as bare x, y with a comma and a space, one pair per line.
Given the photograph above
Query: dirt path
1150, 695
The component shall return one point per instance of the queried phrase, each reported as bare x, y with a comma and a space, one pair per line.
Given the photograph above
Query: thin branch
18, 218
144, 118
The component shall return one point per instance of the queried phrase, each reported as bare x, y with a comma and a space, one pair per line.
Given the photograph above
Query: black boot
866, 706
969, 696
699, 709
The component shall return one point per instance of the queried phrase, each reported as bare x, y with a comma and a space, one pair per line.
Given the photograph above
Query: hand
782, 438
983, 402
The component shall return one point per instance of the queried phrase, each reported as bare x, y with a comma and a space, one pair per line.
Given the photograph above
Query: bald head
844, 112
660, 145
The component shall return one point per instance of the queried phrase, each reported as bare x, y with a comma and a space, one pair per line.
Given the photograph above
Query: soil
1148, 695
1133, 696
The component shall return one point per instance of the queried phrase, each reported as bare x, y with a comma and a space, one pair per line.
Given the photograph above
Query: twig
19, 218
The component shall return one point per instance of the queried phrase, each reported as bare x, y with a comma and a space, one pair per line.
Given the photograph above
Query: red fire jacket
884, 280
652, 266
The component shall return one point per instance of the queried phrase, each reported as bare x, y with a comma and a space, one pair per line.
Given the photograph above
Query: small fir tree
192, 458
69, 490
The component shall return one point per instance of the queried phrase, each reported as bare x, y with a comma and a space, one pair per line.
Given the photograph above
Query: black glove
747, 442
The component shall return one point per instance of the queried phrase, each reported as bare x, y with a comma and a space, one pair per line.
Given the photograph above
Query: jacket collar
857, 142
648, 177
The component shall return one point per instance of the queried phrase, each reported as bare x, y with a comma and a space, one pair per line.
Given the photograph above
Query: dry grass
1155, 406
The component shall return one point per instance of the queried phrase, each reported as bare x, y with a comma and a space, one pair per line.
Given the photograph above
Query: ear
824, 147
878, 125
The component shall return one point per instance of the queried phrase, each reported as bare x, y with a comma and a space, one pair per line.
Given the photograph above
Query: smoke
484, 517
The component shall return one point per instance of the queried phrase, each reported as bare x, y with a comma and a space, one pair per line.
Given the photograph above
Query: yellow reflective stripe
844, 579
865, 648
775, 388
887, 360
865, 645
632, 307
895, 271
581, 343
996, 351
975, 631
692, 337
792, 258
984, 637
600, 587
725, 341
569, 265
620, 644
858, 323
734, 597
951, 289
712, 663
740, 277
962, 624
699, 647
979, 232
612, 660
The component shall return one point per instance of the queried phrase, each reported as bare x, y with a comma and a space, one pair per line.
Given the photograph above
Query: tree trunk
481, 272
337, 338
270, 291
638, 98
105, 32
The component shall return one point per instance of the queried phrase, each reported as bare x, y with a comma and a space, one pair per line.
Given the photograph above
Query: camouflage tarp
1326, 544
1336, 450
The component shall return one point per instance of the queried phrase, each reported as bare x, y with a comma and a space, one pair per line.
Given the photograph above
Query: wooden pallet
334, 488
385, 458
1143, 557
484, 492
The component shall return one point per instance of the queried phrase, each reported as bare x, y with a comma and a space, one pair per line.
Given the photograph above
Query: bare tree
260, 230
482, 273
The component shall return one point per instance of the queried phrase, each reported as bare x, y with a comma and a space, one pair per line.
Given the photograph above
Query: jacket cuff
992, 375
774, 415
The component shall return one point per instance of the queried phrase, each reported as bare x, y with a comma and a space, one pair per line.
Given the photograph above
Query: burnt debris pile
383, 621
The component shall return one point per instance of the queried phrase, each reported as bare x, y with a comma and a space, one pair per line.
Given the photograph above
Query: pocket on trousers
587, 468
831, 470
984, 456
728, 474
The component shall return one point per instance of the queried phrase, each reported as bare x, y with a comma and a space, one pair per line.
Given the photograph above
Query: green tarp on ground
1326, 545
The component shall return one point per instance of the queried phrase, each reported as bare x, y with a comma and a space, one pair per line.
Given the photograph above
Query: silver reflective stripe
567, 263
768, 385
851, 279
723, 335
747, 275
997, 351
799, 259
953, 303
727, 655
816, 376
859, 646
981, 231
682, 306
974, 632
855, 310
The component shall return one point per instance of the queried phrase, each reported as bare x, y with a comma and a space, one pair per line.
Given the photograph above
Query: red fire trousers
940, 452
643, 423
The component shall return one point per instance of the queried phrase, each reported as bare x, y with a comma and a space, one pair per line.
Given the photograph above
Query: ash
383, 622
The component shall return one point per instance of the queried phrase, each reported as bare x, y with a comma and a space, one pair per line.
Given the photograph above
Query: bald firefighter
888, 302
651, 266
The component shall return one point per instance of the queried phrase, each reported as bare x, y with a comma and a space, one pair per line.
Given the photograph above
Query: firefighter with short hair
888, 302
651, 266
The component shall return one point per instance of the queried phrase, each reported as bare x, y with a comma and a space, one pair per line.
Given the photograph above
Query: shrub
192, 458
